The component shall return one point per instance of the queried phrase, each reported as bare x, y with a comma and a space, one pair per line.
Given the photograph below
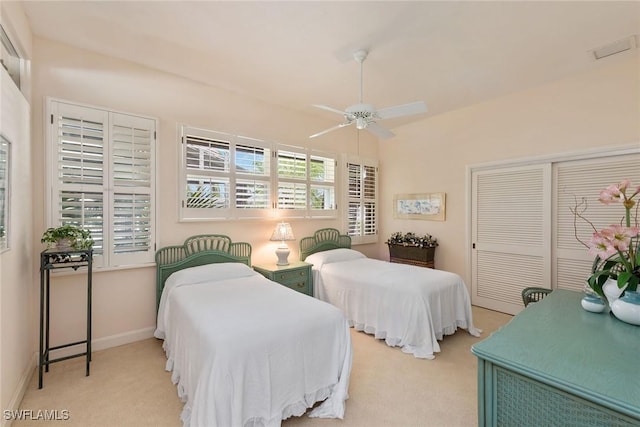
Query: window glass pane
292, 196
207, 154
252, 194
322, 169
206, 192
322, 197
292, 165
252, 160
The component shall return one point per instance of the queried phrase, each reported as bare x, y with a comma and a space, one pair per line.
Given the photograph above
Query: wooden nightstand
296, 275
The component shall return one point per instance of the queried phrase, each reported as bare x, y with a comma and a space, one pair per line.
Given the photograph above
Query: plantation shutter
132, 159
292, 181
578, 181
510, 234
102, 178
362, 195
78, 179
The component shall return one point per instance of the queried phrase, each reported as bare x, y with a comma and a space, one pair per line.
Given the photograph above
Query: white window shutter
132, 196
102, 177
362, 200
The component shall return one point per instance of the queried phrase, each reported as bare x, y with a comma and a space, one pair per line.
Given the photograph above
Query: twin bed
407, 306
246, 351
243, 350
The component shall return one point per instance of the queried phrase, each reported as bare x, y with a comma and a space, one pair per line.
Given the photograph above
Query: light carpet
128, 386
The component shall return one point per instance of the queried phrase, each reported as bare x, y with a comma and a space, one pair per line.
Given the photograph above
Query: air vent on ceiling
619, 46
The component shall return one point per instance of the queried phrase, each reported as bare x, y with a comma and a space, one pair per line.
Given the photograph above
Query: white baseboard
21, 389
106, 342
122, 339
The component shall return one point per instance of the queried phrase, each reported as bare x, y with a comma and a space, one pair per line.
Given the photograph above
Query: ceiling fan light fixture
361, 123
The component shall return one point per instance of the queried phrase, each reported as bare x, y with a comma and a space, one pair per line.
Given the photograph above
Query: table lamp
281, 233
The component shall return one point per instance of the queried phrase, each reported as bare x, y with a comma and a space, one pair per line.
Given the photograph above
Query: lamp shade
282, 232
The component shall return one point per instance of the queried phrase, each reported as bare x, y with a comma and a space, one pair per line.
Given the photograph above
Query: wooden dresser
557, 364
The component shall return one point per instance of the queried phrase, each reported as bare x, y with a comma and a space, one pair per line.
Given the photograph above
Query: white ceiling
450, 54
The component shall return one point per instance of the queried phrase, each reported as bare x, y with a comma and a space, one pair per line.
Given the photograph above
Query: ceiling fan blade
402, 110
379, 131
341, 125
333, 110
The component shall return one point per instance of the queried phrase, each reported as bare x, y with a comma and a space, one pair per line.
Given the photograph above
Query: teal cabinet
558, 364
296, 275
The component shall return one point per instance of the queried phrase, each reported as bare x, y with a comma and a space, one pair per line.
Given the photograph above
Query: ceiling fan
365, 116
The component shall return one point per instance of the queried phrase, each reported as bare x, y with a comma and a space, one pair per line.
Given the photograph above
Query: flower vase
611, 290
627, 308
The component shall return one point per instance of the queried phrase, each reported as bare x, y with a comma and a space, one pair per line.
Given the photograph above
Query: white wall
596, 109
124, 301
17, 287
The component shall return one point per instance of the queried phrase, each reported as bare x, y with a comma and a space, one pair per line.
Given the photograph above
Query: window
230, 177
224, 175
9, 58
102, 177
362, 203
306, 183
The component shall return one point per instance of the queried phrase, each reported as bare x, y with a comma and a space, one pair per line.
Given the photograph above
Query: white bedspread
249, 352
407, 306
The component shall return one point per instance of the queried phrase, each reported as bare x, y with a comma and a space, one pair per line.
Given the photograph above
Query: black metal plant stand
52, 259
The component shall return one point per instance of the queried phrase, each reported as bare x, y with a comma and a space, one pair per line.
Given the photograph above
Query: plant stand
413, 255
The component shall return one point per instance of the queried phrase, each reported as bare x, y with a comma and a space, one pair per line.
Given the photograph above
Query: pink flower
601, 245
613, 193
620, 237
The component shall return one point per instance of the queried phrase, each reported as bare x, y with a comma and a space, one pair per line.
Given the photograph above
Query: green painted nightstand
296, 275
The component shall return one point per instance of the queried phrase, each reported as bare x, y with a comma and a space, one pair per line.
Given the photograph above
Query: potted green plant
67, 237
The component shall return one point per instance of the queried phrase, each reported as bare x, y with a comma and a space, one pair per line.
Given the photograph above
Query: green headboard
324, 239
195, 251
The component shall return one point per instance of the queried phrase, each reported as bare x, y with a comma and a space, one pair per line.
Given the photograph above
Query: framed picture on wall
429, 206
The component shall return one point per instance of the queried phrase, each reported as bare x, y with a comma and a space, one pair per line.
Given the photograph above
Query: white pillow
334, 255
209, 273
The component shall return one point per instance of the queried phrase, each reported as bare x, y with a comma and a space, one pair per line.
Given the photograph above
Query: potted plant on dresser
67, 237
412, 249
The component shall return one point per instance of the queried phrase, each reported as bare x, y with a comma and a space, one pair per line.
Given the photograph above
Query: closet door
511, 234
580, 182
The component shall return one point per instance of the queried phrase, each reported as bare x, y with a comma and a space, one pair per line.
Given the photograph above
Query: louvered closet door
511, 235
583, 180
